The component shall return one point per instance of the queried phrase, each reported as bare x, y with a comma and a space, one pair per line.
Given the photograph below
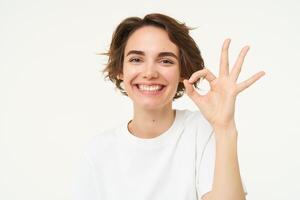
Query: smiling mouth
149, 88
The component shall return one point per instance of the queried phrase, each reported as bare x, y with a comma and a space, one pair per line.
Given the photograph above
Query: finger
190, 90
235, 72
188, 87
245, 84
224, 63
204, 73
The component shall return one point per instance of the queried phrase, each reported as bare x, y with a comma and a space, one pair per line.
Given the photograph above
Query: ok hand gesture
218, 104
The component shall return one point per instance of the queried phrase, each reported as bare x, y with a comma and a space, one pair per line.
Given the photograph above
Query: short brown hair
190, 58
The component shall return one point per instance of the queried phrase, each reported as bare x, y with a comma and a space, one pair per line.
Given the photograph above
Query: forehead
151, 40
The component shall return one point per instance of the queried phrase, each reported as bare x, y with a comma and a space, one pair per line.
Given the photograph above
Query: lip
151, 83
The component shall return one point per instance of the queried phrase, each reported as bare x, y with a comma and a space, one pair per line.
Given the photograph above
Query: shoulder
100, 143
195, 118
195, 121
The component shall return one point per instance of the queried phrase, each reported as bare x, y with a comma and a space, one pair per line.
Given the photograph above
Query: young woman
162, 153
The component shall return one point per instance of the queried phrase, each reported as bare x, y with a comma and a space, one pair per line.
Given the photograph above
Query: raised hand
218, 104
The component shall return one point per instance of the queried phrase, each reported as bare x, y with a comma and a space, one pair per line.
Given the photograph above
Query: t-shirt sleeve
84, 185
206, 166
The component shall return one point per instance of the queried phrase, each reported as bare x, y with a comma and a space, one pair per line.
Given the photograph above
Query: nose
150, 71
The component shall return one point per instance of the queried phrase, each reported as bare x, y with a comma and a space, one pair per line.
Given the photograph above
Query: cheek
129, 73
171, 75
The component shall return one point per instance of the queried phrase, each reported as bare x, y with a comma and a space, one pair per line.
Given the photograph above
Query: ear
120, 76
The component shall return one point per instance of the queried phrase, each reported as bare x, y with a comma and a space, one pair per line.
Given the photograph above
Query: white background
53, 97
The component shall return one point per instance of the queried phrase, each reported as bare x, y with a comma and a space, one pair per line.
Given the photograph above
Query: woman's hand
218, 104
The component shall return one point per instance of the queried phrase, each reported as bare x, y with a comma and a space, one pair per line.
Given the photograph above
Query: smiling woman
161, 152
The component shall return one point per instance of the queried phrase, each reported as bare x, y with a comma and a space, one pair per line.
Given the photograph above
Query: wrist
225, 126
228, 130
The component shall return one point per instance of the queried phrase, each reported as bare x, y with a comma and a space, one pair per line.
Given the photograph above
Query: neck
151, 123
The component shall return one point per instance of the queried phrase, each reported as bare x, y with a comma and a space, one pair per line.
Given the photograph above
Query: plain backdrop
53, 96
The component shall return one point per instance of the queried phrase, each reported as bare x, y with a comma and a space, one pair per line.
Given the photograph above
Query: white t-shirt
176, 165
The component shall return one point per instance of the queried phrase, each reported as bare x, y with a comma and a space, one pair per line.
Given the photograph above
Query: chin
151, 104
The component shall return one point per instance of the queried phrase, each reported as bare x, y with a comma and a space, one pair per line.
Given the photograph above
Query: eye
166, 61
134, 60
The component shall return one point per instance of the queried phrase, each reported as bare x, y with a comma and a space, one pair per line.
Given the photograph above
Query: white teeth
149, 87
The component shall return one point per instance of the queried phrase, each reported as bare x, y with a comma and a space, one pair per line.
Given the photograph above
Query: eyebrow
161, 54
